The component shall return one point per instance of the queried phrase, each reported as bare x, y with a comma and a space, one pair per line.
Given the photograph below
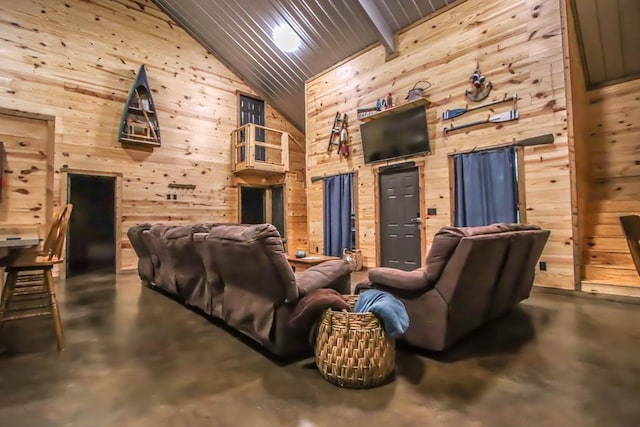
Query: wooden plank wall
519, 47
296, 190
614, 142
76, 60
24, 192
578, 148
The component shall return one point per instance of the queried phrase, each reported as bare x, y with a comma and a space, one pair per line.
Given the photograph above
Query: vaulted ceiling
240, 33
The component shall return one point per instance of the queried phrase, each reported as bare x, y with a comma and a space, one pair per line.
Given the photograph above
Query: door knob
416, 220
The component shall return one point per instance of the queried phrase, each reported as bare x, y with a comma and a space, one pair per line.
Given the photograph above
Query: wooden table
301, 264
16, 238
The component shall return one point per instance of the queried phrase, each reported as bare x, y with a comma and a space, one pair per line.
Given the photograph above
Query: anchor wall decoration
481, 87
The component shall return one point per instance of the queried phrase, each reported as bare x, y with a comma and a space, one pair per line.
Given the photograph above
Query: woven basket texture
354, 258
352, 350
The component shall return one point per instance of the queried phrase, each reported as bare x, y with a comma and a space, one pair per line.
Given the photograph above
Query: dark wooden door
252, 111
400, 220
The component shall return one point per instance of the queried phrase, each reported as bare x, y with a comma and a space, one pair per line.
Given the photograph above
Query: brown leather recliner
260, 287
471, 275
238, 273
163, 275
193, 286
145, 266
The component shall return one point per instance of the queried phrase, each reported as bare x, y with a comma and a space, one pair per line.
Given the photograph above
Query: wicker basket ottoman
352, 349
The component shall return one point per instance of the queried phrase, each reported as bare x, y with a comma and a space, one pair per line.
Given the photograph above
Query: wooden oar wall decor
497, 118
457, 112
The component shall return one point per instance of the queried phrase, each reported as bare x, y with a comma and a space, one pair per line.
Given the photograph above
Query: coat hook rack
182, 186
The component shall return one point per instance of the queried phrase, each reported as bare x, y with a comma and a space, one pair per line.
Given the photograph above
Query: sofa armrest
399, 279
334, 274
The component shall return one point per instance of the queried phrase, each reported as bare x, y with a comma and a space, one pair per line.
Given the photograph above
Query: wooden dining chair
30, 279
631, 227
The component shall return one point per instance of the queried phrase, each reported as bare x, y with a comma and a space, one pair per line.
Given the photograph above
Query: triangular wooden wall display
139, 122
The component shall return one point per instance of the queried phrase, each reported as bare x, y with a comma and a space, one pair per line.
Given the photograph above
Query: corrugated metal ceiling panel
239, 32
401, 13
609, 39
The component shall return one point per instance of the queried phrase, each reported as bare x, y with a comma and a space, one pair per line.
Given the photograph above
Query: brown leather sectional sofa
238, 273
472, 275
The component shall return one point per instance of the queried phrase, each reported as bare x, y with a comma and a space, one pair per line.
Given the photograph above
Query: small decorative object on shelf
481, 88
417, 92
366, 112
139, 122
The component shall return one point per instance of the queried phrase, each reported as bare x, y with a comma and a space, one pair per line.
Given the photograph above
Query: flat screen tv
395, 135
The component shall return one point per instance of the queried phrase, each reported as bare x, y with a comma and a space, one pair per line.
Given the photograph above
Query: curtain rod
320, 178
527, 142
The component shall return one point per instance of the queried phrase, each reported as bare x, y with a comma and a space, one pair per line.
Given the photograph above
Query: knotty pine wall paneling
519, 48
28, 174
76, 61
613, 138
578, 148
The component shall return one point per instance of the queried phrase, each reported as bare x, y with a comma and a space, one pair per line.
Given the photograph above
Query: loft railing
259, 149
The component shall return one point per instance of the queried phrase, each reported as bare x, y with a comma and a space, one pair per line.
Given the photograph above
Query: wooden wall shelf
400, 108
139, 122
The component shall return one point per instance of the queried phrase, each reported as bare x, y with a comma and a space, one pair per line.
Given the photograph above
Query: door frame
64, 192
420, 165
268, 201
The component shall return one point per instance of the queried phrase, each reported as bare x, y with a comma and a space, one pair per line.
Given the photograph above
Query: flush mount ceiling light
285, 38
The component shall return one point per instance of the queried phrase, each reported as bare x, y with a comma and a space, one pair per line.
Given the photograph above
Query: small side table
301, 264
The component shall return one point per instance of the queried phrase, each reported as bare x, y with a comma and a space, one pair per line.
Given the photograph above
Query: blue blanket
387, 308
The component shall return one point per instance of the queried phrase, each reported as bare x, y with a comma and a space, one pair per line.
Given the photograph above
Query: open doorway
263, 204
92, 229
253, 204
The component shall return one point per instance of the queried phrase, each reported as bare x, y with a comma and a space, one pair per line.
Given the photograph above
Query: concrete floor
136, 358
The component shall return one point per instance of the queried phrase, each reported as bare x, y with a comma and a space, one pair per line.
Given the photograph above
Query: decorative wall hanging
457, 112
498, 118
417, 92
343, 138
363, 113
481, 88
381, 105
139, 122
339, 129
335, 131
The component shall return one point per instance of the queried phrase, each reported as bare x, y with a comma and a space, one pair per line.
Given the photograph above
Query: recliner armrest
399, 279
334, 274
